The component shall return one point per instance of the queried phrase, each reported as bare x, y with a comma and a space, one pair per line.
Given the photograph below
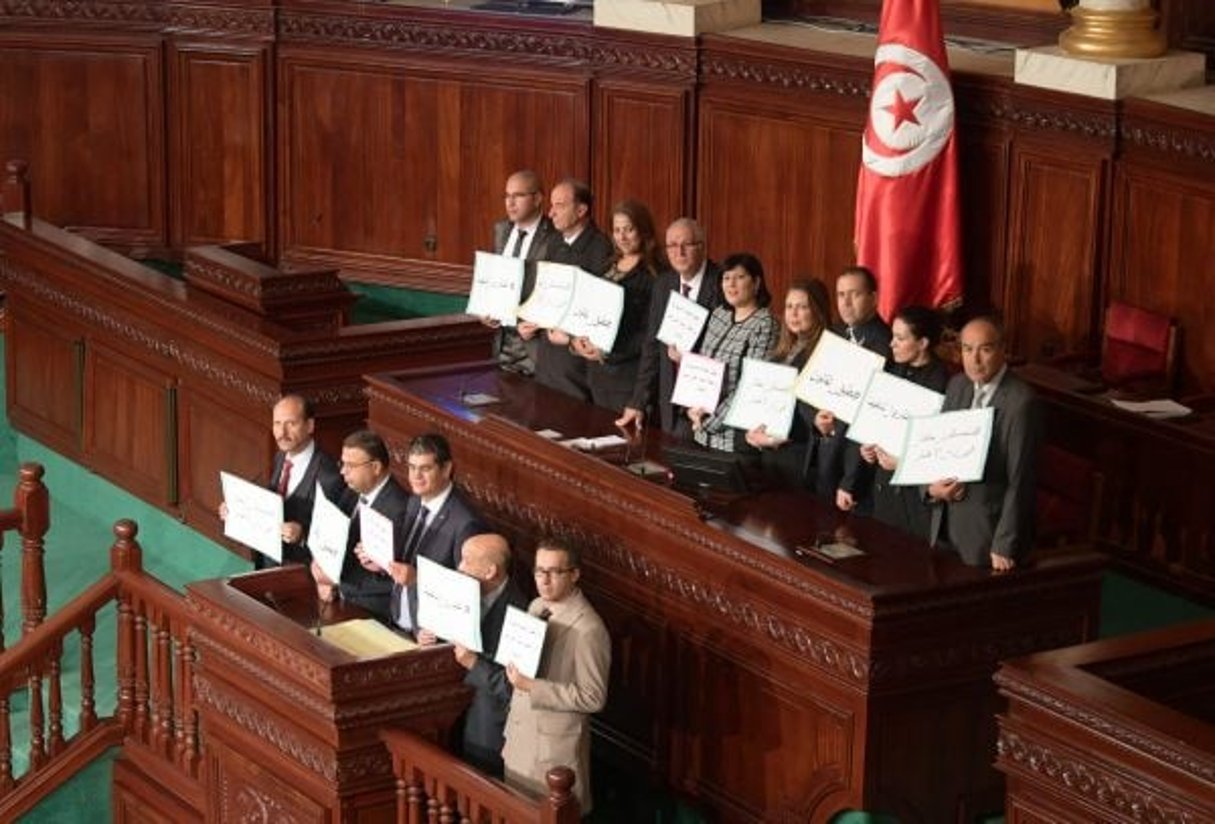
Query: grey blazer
515, 354
997, 514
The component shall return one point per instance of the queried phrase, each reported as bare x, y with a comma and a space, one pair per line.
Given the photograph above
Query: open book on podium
291, 697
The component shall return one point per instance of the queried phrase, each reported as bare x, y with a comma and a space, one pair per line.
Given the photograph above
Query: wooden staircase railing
433, 786
154, 714
30, 518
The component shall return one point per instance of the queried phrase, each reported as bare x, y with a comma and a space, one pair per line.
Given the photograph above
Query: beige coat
550, 725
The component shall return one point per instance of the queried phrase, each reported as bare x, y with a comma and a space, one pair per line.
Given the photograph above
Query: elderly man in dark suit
694, 277
365, 468
487, 558
991, 521
438, 520
525, 233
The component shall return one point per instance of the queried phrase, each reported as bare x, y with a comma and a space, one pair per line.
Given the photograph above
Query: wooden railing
154, 712
30, 518
433, 786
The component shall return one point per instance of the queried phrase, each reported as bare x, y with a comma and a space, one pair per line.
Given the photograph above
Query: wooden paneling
219, 134
640, 149
780, 183
130, 426
44, 401
1050, 293
88, 115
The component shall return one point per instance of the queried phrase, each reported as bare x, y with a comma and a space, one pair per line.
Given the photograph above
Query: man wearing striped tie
991, 522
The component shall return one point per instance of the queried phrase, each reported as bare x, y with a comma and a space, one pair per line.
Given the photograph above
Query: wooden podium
288, 722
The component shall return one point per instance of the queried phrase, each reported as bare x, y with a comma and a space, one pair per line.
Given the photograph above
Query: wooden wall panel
983, 173
45, 401
219, 171
1049, 297
780, 184
640, 148
129, 423
1164, 259
88, 114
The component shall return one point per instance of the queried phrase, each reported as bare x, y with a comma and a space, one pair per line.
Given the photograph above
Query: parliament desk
1116, 731
749, 674
289, 723
1155, 510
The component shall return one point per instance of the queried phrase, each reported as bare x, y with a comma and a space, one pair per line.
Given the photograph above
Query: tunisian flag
907, 224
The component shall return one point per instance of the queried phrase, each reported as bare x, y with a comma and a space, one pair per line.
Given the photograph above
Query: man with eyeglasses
366, 469
549, 720
524, 233
437, 521
693, 276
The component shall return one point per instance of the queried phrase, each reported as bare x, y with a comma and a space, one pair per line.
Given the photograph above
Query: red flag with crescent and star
908, 230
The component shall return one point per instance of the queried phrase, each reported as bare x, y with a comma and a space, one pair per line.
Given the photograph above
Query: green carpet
83, 510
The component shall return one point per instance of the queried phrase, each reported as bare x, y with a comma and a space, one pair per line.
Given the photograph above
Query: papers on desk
521, 642
764, 396
698, 384
366, 638
474, 399
255, 515
1162, 409
836, 375
497, 285
576, 302
594, 444
948, 445
449, 604
888, 404
682, 322
327, 535
375, 533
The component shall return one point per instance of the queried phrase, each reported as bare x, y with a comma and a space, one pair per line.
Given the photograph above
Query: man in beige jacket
549, 720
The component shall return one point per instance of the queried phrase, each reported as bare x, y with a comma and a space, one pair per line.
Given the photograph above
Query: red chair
1139, 348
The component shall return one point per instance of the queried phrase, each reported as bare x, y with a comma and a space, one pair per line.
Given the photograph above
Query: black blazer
297, 507
445, 534
371, 590
655, 371
486, 717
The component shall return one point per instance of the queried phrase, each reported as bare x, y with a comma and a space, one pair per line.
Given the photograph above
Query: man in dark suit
365, 468
524, 233
298, 466
582, 244
832, 460
486, 558
695, 277
438, 520
991, 522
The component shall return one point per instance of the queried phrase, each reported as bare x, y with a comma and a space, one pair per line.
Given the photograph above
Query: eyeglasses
683, 247
348, 465
541, 572
518, 195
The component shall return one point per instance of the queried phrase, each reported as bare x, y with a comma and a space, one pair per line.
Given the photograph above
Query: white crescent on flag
910, 112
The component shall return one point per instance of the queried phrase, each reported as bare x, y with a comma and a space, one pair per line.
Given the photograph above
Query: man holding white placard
549, 720
365, 468
691, 276
486, 557
992, 521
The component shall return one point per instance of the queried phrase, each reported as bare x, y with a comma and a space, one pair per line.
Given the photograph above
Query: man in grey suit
437, 522
991, 521
695, 277
487, 558
524, 233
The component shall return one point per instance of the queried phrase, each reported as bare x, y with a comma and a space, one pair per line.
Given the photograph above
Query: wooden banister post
562, 807
16, 194
126, 554
31, 498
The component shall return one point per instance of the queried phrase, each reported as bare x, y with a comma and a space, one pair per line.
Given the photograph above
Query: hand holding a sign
517, 679
588, 350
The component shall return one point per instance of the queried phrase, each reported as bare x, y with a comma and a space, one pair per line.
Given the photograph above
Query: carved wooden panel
219, 169
780, 183
88, 117
1163, 249
45, 378
983, 173
242, 789
641, 148
129, 423
214, 437
1054, 248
